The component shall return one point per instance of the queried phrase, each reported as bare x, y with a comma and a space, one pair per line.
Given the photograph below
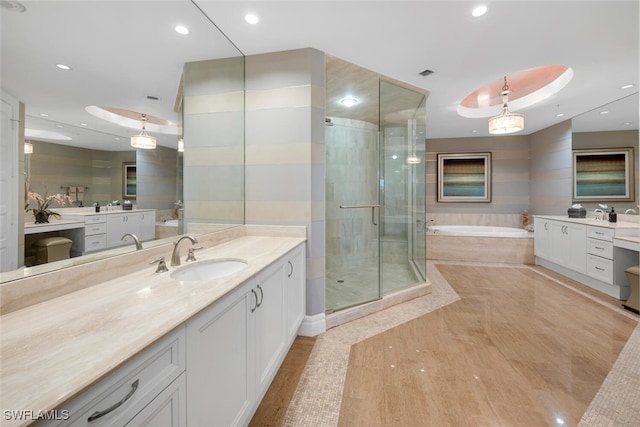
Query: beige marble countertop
591, 221
54, 350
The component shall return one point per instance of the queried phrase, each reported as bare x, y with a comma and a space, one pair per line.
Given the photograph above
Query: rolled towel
80, 194
73, 192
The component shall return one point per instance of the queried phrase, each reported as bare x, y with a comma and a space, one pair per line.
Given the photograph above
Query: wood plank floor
516, 350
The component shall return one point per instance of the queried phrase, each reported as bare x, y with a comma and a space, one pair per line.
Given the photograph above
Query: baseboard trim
313, 325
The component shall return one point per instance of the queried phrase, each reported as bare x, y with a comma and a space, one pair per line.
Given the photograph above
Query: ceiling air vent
426, 72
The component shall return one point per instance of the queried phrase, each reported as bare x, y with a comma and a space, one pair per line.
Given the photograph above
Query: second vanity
595, 253
197, 353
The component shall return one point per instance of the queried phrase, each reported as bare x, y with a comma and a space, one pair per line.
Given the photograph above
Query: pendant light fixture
506, 122
143, 139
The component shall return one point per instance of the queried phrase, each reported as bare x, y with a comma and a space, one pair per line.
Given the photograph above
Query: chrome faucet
630, 211
175, 256
135, 239
598, 214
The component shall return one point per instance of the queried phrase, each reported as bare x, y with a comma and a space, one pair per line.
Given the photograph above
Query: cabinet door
168, 409
147, 226
558, 245
118, 225
541, 238
576, 247
219, 372
295, 285
269, 317
115, 230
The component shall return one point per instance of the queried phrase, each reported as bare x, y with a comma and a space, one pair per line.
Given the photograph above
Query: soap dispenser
613, 216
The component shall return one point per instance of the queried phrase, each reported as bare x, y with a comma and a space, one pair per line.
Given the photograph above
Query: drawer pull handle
291, 271
599, 232
598, 268
99, 414
599, 248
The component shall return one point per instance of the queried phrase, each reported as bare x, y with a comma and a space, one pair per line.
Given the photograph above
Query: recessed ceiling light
59, 126
604, 112
626, 86
63, 67
348, 102
83, 124
44, 115
181, 29
251, 18
479, 11
559, 114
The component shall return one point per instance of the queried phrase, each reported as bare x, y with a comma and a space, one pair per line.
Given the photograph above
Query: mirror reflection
84, 156
611, 126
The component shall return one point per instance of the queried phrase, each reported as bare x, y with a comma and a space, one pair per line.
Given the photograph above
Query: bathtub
475, 243
477, 231
167, 228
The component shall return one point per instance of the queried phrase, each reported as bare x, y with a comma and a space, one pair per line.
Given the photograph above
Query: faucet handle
162, 265
190, 256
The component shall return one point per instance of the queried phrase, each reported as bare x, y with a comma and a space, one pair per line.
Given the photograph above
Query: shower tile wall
285, 151
352, 165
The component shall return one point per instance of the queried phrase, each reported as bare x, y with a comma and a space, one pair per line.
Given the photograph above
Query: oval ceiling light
252, 19
479, 11
181, 29
529, 87
626, 87
63, 67
348, 102
131, 119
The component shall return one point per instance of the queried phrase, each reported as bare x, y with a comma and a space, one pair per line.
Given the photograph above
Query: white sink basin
207, 270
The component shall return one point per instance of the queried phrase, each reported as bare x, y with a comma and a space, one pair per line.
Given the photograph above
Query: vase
41, 217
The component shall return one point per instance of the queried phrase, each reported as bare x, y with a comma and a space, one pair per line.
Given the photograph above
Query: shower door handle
373, 210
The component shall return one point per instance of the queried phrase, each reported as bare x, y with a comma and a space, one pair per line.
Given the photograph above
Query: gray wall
157, 172
285, 150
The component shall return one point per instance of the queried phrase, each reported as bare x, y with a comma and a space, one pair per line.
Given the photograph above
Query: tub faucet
135, 239
175, 256
598, 214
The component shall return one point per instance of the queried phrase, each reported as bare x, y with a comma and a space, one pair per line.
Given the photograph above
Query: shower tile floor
347, 287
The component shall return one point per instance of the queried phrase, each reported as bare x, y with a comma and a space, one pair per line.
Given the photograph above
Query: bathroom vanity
589, 251
147, 349
104, 230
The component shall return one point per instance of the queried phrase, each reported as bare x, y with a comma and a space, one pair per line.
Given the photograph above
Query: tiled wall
285, 152
53, 166
213, 120
156, 178
510, 174
550, 186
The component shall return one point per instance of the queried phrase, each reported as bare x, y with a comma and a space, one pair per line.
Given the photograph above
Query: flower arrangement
43, 204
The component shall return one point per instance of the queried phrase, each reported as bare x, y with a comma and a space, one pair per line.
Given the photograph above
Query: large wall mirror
127, 57
608, 131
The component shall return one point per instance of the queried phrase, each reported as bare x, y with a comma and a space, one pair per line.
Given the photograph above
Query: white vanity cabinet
567, 245
105, 230
148, 390
561, 242
295, 290
584, 251
119, 224
236, 346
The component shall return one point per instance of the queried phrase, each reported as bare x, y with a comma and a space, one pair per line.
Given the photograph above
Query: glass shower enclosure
375, 187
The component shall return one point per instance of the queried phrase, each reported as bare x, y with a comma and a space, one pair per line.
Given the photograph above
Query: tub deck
480, 249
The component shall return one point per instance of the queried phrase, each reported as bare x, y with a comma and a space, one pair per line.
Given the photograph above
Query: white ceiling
123, 51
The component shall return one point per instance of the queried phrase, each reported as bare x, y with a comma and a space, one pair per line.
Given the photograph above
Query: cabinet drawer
600, 268
93, 229
94, 219
600, 248
94, 243
131, 388
600, 233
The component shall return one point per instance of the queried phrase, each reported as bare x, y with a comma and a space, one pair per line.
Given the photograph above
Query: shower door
352, 214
